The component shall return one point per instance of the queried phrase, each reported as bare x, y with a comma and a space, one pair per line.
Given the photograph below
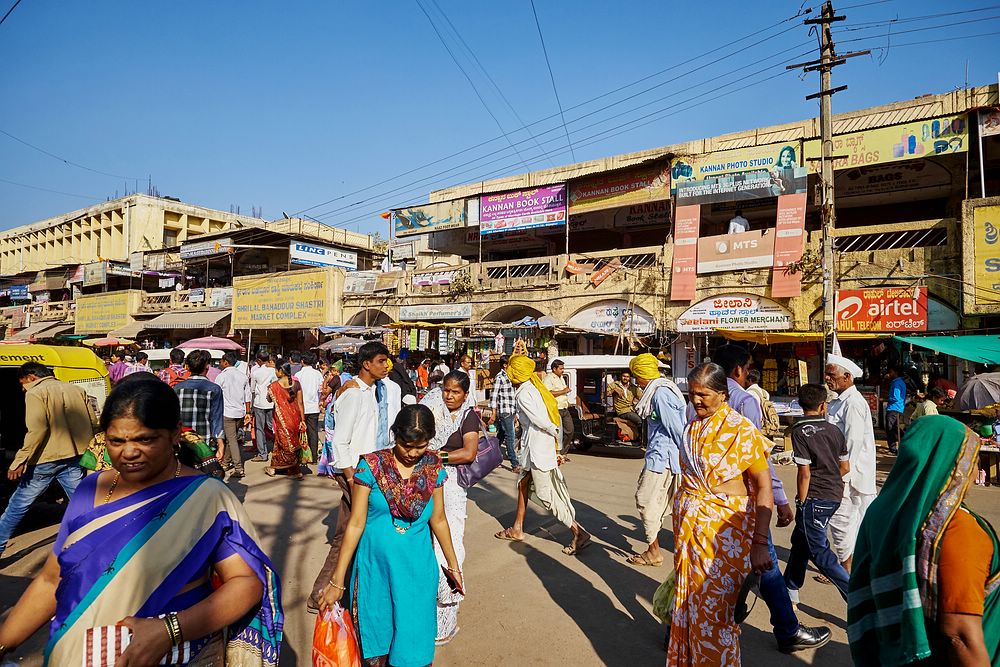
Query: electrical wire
9, 11
927, 41
552, 78
64, 160
58, 192
933, 27
910, 19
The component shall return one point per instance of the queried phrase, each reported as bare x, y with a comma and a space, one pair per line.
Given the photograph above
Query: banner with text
789, 243
299, 299
739, 174
626, 187
736, 252
739, 312
986, 228
885, 309
312, 254
684, 272
101, 313
429, 218
523, 209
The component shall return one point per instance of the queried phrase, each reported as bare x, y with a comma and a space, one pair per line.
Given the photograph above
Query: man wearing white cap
852, 415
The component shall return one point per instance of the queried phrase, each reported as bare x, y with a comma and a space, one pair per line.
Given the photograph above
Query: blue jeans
263, 419
33, 483
809, 542
775, 595
505, 424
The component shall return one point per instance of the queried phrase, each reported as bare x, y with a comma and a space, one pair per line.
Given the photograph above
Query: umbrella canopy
978, 392
211, 343
342, 345
110, 341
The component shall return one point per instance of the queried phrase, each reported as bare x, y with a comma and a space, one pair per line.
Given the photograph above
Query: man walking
117, 367
60, 424
140, 365
311, 381
363, 414
662, 406
852, 415
556, 384
894, 407
261, 378
502, 404
175, 372
235, 410
201, 401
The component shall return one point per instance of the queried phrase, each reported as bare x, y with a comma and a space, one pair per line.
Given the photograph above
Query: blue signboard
19, 293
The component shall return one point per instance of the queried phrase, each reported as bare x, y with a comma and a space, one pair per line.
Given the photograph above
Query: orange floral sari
712, 538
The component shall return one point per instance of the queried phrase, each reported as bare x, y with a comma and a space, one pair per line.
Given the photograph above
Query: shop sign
739, 312
19, 293
196, 295
888, 309
166, 282
156, 261
385, 282
362, 282
577, 268
613, 317
220, 298
402, 251
736, 252
449, 311
95, 274
429, 218
206, 248
605, 272
523, 209
626, 187
743, 186
789, 243
921, 138
435, 278
684, 272
135, 262
122, 269
298, 299
101, 313
310, 254
989, 122
770, 157
902, 181
986, 228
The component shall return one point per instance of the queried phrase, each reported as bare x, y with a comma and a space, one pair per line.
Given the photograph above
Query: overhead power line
58, 192
869, 25
68, 162
933, 27
552, 78
9, 11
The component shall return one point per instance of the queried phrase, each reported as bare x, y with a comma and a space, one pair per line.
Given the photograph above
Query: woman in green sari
925, 586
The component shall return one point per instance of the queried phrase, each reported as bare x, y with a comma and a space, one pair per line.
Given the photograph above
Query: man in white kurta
852, 415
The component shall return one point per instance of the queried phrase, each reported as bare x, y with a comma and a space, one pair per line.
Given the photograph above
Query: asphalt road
527, 603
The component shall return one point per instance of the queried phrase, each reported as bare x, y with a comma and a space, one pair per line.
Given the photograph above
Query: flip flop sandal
270, 472
504, 535
644, 560
571, 550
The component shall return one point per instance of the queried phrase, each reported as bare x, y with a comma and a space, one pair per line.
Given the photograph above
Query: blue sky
286, 105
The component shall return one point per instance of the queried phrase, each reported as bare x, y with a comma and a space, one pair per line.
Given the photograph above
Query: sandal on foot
577, 547
270, 472
505, 535
644, 560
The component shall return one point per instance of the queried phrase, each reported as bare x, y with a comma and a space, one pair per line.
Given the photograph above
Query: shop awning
32, 331
58, 330
981, 349
129, 330
774, 337
203, 319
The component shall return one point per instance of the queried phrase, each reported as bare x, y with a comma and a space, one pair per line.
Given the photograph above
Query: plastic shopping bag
663, 598
334, 642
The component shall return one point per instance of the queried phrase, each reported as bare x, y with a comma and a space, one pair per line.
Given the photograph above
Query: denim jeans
810, 543
505, 424
262, 421
33, 483
775, 595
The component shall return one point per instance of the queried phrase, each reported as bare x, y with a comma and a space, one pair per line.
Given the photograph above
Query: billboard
101, 313
740, 312
626, 187
280, 300
986, 248
429, 218
523, 209
882, 309
740, 173
736, 252
789, 243
310, 254
684, 271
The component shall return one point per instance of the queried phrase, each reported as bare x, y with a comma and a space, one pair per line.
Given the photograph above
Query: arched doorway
512, 313
370, 317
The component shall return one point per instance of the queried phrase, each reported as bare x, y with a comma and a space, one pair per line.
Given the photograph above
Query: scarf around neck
407, 498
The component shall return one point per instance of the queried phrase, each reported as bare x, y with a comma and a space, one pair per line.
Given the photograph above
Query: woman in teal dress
397, 503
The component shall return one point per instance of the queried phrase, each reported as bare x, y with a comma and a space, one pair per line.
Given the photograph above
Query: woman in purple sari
154, 555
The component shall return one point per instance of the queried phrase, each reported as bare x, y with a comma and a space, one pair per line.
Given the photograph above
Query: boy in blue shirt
894, 407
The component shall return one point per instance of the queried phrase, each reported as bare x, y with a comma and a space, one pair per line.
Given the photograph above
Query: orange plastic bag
334, 642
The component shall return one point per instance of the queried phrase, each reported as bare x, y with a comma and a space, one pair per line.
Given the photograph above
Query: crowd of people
154, 537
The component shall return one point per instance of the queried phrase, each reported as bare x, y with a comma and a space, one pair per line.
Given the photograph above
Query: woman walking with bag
289, 425
456, 440
397, 501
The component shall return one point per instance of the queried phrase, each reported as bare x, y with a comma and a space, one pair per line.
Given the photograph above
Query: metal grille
917, 238
631, 261
518, 271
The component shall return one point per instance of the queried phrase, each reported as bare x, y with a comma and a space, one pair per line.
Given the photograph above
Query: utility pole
827, 61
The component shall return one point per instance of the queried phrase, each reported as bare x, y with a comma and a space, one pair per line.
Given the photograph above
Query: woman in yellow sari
725, 492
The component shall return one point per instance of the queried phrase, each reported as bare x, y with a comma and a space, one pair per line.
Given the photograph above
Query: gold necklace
118, 475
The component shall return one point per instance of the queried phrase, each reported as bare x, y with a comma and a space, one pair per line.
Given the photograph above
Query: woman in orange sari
286, 394
725, 492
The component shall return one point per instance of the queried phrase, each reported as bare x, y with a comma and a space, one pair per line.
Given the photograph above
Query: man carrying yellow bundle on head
540, 477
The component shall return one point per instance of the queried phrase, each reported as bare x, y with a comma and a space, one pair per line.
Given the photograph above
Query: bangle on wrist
337, 586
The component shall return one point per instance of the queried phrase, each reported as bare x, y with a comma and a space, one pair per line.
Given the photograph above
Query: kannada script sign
101, 313
298, 299
886, 309
740, 312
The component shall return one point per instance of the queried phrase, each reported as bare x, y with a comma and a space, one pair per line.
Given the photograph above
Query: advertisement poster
989, 122
789, 243
360, 283
740, 173
736, 252
884, 309
986, 226
614, 316
435, 278
626, 187
738, 312
684, 272
95, 273
299, 298
220, 297
101, 313
310, 254
947, 134
523, 209
429, 218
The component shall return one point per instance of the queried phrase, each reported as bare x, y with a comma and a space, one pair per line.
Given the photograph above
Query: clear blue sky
284, 105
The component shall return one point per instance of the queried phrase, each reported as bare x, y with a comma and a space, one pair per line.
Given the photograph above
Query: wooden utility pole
827, 61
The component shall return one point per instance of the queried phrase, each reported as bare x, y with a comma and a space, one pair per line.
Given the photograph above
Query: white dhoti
846, 521
548, 489
654, 499
455, 506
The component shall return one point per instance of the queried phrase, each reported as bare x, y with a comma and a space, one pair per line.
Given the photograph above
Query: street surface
527, 604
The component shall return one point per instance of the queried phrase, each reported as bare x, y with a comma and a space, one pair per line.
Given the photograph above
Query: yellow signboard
102, 313
881, 145
771, 157
986, 227
296, 299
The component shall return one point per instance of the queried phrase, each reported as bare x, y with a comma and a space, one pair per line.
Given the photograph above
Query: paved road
528, 604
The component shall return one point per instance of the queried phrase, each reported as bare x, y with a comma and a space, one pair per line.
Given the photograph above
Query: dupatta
133, 556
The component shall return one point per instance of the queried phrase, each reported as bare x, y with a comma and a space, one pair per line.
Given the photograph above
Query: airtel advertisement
884, 310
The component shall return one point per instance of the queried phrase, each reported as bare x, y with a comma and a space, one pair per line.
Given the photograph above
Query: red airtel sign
884, 309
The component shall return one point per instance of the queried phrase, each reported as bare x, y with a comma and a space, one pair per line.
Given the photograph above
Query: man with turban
663, 407
540, 478
852, 415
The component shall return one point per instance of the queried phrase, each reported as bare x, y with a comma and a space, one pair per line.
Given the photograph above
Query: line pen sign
884, 309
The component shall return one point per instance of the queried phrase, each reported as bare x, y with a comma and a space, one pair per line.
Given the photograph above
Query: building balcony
213, 298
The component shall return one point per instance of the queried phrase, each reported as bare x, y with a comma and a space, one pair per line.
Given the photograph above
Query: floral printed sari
713, 534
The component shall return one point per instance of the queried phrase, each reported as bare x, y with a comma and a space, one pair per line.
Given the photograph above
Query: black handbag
488, 459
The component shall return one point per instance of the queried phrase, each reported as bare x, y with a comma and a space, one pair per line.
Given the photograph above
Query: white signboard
447, 311
206, 248
310, 254
436, 278
135, 261
614, 316
741, 312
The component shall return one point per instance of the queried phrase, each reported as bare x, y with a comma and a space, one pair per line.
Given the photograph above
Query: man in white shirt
235, 410
738, 224
851, 413
311, 381
442, 367
263, 410
363, 414
555, 382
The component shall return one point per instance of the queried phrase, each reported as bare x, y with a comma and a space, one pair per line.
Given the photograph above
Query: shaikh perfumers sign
885, 309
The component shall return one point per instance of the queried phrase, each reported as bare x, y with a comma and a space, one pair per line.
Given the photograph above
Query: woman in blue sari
156, 547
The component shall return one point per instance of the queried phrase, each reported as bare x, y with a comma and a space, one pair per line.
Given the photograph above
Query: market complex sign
885, 309
741, 312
